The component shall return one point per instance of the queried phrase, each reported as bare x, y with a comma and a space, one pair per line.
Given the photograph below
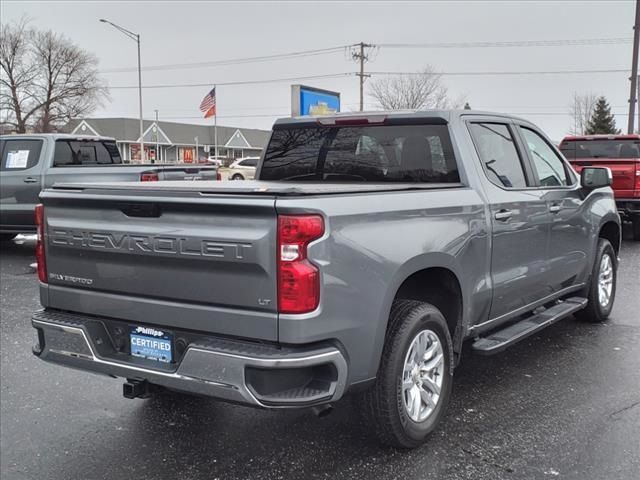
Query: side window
252, 162
550, 168
498, 154
20, 154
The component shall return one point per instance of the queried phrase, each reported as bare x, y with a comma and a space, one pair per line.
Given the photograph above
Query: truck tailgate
184, 262
622, 169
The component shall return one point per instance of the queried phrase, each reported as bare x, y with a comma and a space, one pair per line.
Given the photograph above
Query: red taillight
40, 254
218, 175
149, 177
637, 187
298, 278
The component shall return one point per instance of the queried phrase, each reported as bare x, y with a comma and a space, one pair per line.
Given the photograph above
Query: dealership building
171, 142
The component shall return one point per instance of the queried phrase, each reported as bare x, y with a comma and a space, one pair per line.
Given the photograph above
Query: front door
519, 217
21, 168
569, 232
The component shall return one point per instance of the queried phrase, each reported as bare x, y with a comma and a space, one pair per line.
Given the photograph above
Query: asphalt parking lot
563, 404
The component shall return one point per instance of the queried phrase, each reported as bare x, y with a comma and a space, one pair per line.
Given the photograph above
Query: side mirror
595, 177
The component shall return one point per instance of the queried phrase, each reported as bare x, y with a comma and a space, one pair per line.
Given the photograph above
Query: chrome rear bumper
214, 367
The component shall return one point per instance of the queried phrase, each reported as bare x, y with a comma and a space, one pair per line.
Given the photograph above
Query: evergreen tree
602, 120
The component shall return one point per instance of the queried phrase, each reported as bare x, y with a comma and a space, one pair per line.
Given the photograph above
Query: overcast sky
190, 32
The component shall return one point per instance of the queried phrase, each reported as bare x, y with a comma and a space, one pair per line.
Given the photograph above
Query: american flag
208, 104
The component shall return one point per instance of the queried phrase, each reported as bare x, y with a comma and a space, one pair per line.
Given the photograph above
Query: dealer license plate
151, 344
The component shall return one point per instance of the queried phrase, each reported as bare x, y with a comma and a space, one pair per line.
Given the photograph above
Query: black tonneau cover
255, 187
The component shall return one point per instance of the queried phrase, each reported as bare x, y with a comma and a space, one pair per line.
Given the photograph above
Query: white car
241, 169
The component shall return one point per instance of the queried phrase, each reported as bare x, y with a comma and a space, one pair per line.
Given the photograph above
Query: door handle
31, 180
555, 208
503, 215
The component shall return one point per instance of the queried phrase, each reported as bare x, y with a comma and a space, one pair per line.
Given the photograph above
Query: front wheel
237, 176
413, 386
601, 291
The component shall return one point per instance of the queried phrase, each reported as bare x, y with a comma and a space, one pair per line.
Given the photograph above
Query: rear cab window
20, 154
369, 153
613, 148
71, 152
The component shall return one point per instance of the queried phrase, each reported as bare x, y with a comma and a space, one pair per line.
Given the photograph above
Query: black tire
7, 237
596, 312
635, 227
383, 404
237, 176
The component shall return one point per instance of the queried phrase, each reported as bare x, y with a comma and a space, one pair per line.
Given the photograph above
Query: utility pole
633, 98
359, 55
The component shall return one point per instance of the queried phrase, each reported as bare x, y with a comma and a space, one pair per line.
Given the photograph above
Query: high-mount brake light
298, 278
347, 121
41, 259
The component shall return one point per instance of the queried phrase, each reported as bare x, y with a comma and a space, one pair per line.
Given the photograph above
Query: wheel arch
433, 279
611, 230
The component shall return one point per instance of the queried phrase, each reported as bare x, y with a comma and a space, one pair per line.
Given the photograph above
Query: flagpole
215, 123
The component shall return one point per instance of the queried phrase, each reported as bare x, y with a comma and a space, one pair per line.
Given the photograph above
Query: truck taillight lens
298, 278
218, 175
149, 177
40, 255
637, 187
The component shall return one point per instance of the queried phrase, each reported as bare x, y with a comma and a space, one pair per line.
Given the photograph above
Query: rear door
569, 241
519, 219
21, 166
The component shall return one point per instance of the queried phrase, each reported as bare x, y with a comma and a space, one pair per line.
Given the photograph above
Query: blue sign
313, 101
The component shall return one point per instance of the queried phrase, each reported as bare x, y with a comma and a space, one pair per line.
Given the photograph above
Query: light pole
136, 38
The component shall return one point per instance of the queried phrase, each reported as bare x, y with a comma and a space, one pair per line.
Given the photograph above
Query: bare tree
17, 75
46, 80
581, 109
421, 90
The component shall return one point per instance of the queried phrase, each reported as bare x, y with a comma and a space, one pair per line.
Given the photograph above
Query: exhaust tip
322, 410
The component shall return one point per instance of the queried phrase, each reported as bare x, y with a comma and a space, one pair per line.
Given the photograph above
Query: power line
241, 82
531, 72
518, 43
339, 48
348, 74
234, 61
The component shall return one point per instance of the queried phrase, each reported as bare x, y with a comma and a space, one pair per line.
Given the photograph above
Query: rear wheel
601, 291
6, 237
635, 227
414, 380
237, 176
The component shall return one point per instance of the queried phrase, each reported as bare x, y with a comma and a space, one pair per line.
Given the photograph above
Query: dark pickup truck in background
619, 153
30, 163
371, 247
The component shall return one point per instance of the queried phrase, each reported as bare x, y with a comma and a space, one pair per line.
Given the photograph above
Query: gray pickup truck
371, 247
30, 163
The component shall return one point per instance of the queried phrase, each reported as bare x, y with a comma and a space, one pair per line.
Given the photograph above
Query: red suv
621, 153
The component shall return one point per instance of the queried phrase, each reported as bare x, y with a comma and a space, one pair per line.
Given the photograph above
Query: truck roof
378, 115
571, 138
55, 136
